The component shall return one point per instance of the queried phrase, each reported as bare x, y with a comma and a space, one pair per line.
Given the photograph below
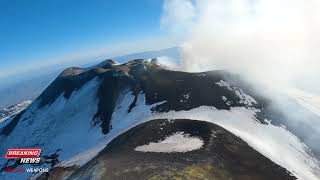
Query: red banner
23, 153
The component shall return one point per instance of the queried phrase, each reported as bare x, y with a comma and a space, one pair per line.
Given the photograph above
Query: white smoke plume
270, 41
274, 44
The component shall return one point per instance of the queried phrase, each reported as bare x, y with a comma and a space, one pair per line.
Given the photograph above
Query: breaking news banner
24, 156
23, 153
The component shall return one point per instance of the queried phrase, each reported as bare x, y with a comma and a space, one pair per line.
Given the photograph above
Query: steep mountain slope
84, 110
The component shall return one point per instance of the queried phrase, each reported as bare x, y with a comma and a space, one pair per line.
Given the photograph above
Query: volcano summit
139, 120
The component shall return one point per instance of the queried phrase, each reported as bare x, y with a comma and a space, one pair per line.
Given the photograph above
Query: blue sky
36, 32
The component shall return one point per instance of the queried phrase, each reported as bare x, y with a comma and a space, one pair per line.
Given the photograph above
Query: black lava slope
223, 156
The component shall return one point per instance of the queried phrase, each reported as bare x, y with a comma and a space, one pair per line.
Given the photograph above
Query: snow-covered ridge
13, 110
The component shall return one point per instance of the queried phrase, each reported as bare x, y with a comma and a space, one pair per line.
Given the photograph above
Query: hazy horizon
39, 34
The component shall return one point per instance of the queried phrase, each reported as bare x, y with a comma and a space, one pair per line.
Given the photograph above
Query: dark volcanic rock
223, 156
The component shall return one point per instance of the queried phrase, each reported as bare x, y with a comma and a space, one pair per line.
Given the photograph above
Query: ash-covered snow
225, 84
13, 110
225, 99
178, 142
244, 98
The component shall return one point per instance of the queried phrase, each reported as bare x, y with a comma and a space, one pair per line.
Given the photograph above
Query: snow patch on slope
178, 142
121, 119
